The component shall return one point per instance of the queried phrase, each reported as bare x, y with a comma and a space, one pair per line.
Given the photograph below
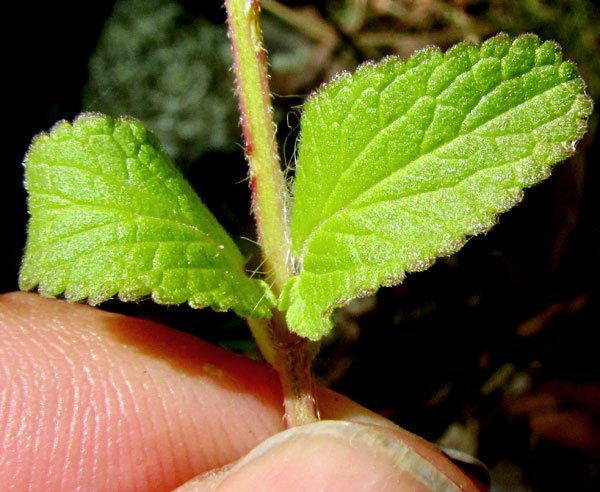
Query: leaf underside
401, 161
112, 215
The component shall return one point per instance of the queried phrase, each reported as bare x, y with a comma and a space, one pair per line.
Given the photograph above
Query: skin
96, 401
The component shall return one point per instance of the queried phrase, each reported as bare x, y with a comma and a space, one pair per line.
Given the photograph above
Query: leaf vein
119, 182
366, 190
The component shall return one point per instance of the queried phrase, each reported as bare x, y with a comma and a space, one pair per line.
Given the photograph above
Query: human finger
339, 457
97, 401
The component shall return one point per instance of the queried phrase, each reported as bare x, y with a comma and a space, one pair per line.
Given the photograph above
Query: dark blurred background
492, 351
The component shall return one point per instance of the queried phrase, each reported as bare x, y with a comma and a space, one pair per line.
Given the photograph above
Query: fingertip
339, 456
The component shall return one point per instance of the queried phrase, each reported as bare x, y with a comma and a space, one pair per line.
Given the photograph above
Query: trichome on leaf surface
397, 165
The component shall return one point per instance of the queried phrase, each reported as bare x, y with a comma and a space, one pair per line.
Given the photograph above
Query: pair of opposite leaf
398, 164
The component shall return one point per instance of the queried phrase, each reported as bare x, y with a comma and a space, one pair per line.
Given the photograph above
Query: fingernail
336, 455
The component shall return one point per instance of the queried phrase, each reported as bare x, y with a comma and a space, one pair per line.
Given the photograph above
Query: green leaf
111, 214
401, 161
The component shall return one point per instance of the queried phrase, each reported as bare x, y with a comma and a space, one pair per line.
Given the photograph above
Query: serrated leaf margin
314, 320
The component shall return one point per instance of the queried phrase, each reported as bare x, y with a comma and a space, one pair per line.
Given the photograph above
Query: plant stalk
266, 178
289, 354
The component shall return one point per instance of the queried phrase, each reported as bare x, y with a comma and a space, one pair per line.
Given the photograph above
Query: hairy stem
266, 178
291, 356
288, 353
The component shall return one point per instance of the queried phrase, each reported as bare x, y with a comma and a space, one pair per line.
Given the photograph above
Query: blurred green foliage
158, 63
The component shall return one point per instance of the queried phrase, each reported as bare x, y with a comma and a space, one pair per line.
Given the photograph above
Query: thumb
339, 456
